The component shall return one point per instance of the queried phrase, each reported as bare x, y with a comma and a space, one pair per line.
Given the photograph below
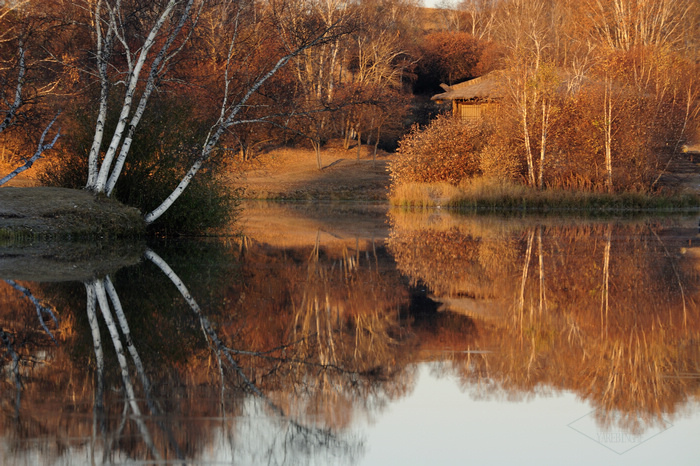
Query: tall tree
318, 70
308, 35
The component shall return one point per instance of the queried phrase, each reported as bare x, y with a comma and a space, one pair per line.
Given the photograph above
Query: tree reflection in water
306, 382
606, 310
270, 353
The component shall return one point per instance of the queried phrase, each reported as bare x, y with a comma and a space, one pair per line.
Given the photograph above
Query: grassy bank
492, 196
59, 213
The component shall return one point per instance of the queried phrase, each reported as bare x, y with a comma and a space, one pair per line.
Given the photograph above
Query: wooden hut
470, 99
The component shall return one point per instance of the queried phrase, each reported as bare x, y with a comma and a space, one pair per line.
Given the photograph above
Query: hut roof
486, 87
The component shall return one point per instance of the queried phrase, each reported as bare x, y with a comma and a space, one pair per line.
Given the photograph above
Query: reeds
424, 194
490, 195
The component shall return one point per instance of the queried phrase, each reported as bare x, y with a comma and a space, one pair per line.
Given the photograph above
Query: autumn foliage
446, 150
611, 116
598, 96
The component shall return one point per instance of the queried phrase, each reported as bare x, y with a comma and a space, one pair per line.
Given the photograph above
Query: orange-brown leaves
446, 150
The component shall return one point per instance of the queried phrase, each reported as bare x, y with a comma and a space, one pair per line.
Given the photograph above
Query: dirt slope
294, 174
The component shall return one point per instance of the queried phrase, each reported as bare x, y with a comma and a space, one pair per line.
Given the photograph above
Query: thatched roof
486, 87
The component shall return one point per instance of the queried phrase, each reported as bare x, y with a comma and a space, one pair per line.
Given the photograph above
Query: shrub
446, 150
164, 147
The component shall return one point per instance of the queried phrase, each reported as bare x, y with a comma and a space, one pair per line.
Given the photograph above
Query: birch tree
481, 17
234, 100
318, 69
378, 58
137, 46
144, 62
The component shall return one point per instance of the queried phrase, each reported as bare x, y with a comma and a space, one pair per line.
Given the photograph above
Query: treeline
351, 73
151, 94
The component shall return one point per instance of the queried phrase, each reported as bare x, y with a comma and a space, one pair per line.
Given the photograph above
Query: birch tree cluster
239, 75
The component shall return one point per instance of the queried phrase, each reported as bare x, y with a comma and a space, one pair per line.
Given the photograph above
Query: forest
143, 100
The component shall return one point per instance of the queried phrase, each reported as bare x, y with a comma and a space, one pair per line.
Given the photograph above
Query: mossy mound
60, 213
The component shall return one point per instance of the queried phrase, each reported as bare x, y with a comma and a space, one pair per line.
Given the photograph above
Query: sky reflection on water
441, 424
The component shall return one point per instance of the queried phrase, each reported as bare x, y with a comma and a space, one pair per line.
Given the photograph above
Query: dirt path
294, 174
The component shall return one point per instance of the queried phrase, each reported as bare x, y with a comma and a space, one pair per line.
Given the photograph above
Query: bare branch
38, 154
40, 308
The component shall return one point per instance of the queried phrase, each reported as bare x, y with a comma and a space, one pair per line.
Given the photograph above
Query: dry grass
293, 174
491, 195
424, 194
288, 174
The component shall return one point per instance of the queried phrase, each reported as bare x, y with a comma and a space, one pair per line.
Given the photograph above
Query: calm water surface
351, 335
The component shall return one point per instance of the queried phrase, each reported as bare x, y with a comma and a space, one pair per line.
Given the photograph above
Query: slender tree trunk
124, 325
104, 49
18, 99
161, 56
348, 134
605, 294
543, 290
526, 137
98, 406
121, 358
317, 150
97, 344
40, 308
523, 280
226, 120
37, 155
134, 76
608, 134
546, 107
376, 144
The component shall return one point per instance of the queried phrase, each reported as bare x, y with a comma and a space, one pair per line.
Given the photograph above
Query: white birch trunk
134, 76
226, 120
104, 47
607, 112
605, 293
40, 308
37, 155
141, 108
17, 102
124, 325
526, 137
207, 328
523, 280
543, 290
126, 378
90, 288
546, 106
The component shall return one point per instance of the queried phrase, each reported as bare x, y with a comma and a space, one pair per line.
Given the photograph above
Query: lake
351, 334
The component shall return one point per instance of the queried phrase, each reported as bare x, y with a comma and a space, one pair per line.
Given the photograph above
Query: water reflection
606, 310
260, 349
